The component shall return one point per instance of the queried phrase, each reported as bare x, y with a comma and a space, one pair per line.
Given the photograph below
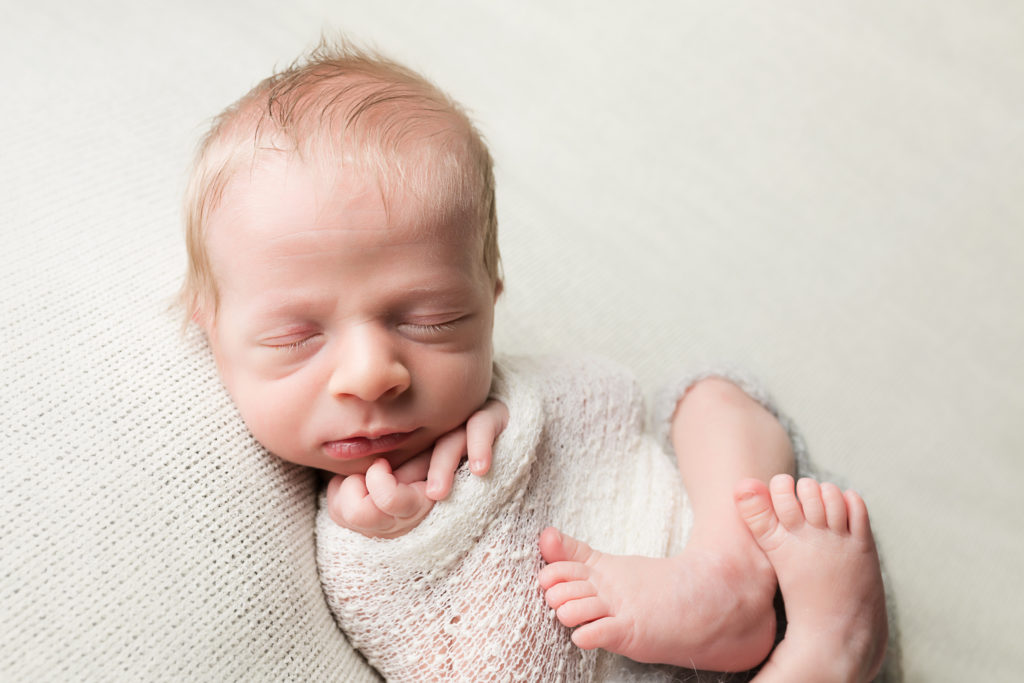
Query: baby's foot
706, 608
819, 541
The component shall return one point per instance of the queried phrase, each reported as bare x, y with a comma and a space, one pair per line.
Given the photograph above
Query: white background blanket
825, 193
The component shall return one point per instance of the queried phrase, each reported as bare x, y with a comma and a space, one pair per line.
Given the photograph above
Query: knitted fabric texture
457, 597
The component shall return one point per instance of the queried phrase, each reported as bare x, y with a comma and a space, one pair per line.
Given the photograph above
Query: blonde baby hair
342, 104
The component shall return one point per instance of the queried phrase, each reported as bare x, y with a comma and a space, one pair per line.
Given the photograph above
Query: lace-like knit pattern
457, 597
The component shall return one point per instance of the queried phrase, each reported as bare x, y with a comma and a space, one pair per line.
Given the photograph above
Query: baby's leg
819, 542
709, 607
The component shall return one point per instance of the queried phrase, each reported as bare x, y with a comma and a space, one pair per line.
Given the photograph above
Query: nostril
373, 384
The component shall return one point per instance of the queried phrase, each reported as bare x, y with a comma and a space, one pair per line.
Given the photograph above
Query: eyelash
294, 345
439, 328
432, 329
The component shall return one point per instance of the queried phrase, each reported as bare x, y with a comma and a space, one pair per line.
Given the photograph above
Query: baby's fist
380, 504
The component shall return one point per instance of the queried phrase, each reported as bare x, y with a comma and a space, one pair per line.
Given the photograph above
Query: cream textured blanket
457, 597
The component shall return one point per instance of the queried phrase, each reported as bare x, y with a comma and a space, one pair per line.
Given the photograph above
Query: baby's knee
717, 395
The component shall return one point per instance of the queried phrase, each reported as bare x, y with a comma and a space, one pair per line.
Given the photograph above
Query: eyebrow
435, 290
271, 307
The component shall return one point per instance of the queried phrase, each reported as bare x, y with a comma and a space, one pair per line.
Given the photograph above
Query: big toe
754, 504
558, 547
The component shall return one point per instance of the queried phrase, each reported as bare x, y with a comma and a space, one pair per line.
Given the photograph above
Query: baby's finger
352, 507
413, 470
332, 487
334, 505
391, 497
448, 452
481, 431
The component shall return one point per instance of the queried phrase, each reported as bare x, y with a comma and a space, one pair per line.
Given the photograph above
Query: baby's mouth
364, 446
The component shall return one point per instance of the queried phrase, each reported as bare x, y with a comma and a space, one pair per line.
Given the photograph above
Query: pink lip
364, 446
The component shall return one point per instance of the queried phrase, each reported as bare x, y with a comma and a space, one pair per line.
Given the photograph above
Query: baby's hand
381, 503
475, 438
388, 504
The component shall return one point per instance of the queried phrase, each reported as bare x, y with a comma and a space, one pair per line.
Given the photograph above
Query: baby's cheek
271, 422
479, 382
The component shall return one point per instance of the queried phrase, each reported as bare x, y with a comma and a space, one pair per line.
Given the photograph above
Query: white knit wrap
457, 597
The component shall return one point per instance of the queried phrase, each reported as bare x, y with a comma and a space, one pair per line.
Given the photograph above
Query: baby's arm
386, 504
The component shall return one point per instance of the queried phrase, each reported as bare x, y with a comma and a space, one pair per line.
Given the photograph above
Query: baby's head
343, 260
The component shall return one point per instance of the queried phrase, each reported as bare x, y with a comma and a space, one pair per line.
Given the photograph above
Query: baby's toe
835, 507
576, 612
608, 633
563, 592
857, 512
562, 571
755, 508
558, 547
809, 493
787, 507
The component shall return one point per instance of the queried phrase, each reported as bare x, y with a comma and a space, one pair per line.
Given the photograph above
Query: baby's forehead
320, 193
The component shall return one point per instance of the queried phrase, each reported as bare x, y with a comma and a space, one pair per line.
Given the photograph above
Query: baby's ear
499, 287
202, 316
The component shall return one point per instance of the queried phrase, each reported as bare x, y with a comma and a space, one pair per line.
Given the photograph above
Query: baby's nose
369, 368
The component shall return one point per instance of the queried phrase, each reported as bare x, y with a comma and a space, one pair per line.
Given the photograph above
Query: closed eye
430, 331
290, 344
442, 327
